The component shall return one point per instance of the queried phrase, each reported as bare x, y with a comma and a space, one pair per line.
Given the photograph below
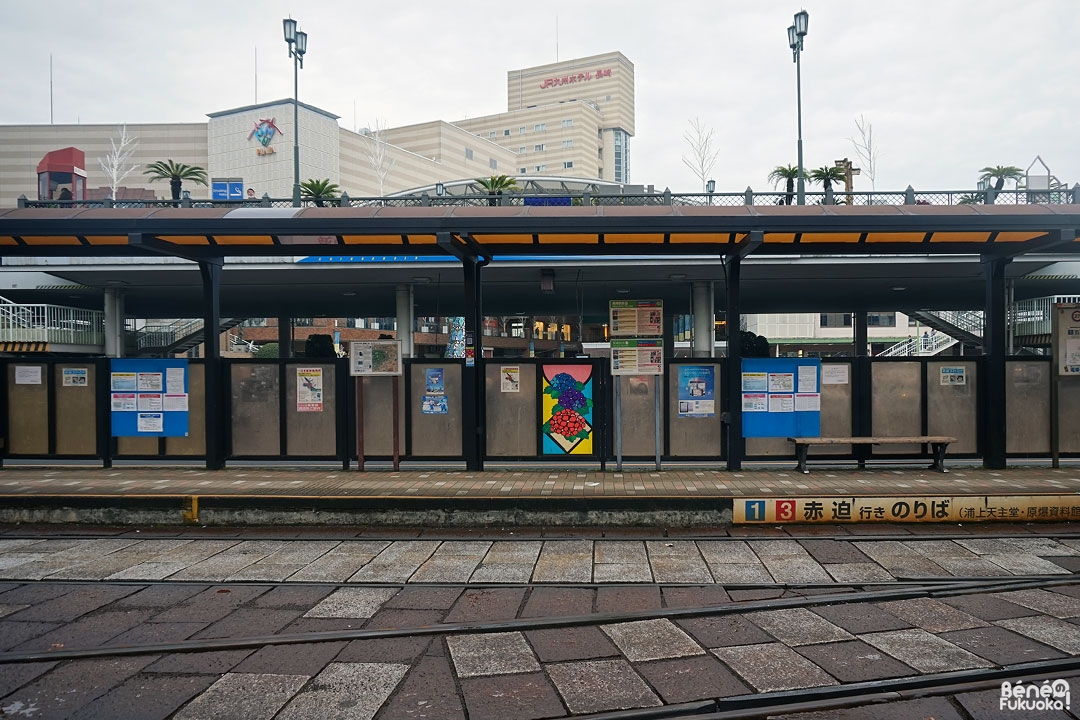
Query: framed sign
375, 357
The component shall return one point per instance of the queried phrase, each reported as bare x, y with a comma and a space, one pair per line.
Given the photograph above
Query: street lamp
299, 40
709, 188
795, 35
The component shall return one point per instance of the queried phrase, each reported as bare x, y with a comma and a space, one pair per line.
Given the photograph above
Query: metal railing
54, 324
928, 345
1035, 316
968, 320
1058, 196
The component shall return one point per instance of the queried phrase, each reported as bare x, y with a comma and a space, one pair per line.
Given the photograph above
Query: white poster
782, 403
755, 382
511, 378
173, 402
755, 402
76, 377
123, 402
781, 382
150, 422
309, 390
149, 401
834, 374
122, 382
953, 376
807, 401
807, 379
174, 380
27, 374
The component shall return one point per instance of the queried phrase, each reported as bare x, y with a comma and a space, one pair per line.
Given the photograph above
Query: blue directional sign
236, 189
219, 190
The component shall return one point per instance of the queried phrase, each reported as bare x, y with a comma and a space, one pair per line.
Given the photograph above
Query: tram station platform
507, 496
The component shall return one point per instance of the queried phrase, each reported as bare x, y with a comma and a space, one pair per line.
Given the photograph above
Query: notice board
148, 398
781, 397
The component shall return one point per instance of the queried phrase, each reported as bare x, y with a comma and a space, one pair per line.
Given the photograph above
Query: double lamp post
297, 41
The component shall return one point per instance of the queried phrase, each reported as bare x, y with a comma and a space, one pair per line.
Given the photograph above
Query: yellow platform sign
979, 508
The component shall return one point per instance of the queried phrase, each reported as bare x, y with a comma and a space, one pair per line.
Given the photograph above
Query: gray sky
948, 86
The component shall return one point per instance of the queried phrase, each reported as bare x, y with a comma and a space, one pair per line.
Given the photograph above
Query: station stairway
951, 326
172, 337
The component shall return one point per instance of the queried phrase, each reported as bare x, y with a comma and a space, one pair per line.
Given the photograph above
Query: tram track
985, 585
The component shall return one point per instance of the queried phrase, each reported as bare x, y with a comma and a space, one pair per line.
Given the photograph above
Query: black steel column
214, 402
994, 331
284, 337
736, 444
860, 349
472, 378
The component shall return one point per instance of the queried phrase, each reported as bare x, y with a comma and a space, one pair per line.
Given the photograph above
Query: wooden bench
937, 442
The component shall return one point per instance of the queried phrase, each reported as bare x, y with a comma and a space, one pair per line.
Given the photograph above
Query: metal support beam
210, 270
736, 444
405, 318
995, 312
860, 349
701, 294
284, 337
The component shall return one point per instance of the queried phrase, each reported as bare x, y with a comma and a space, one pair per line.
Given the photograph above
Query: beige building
568, 119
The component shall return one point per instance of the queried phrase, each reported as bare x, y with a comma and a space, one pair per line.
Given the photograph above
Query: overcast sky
948, 86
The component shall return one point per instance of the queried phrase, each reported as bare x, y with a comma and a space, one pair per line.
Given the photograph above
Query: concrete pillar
406, 321
701, 299
114, 323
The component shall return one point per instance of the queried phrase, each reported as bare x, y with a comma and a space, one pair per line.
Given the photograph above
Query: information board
637, 357
781, 397
148, 398
375, 357
1066, 339
635, 318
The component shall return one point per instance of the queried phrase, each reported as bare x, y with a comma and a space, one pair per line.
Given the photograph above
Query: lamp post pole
796, 33
297, 42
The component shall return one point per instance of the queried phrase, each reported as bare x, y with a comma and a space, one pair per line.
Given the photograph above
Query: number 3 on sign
785, 510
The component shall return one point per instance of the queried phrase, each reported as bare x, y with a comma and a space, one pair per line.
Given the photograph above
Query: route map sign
375, 357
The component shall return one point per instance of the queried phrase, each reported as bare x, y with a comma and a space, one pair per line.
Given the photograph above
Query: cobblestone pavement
512, 483
592, 622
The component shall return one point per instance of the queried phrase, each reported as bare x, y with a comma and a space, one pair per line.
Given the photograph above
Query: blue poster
697, 391
148, 398
434, 380
219, 190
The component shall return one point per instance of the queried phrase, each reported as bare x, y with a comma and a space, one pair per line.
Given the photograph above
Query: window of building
835, 320
567, 143
568, 122
506, 133
539, 126
539, 148
303, 322
468, 154
523, 170
541, 168
491, 134
881, 319
493, 163
522, 150
568, 164
521, 130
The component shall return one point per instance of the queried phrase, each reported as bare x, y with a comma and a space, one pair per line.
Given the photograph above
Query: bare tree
864, 148
380, 161
703, 151
116, 165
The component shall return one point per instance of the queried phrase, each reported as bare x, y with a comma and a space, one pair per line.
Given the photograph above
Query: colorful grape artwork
567, 409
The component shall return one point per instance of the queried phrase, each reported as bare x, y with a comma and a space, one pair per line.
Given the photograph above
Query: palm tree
827, 175
1001, 173
970, 199
176, 174
319, 190
787, 174
496, 184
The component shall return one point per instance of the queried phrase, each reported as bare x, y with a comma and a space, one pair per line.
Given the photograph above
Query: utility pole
849, 173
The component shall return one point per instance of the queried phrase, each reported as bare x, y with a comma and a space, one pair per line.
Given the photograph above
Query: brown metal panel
1069, 414
195, 443
639, 415
28, 413
512, 417
136, 446
379, 413
76, 412
436, 434
952, 409
897, 401
1027, 397
693, 436
255, 426
836, 420
311, 433
779, 447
